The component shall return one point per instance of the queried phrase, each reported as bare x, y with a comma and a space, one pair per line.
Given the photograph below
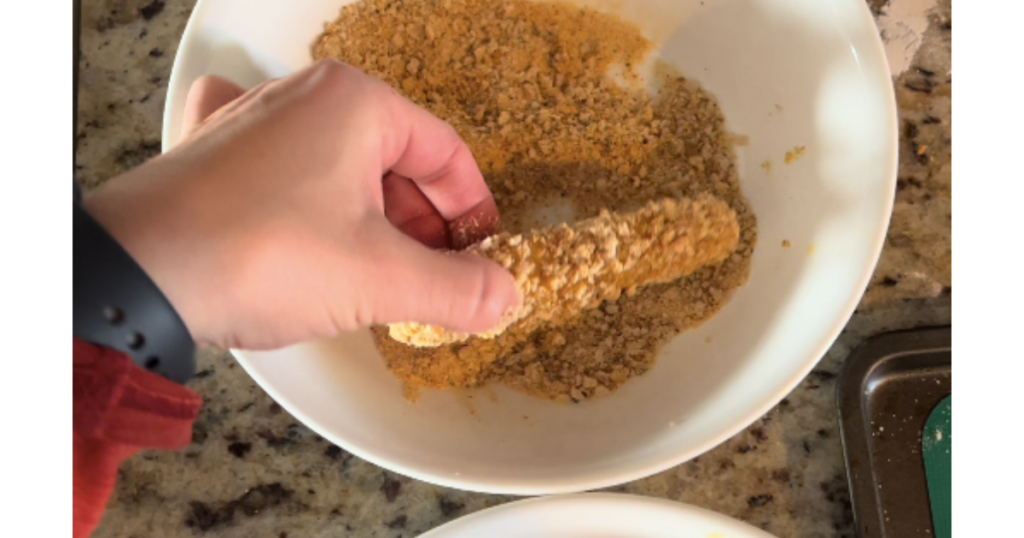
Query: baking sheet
886, 393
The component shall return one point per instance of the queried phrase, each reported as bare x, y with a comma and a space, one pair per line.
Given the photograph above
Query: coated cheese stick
562, 271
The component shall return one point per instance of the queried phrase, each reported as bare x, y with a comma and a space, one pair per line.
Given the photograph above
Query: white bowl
787, 73
595, 515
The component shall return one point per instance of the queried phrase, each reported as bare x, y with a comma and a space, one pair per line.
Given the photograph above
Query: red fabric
118, 409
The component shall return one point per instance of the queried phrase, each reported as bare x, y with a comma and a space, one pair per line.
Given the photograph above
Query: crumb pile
527, 86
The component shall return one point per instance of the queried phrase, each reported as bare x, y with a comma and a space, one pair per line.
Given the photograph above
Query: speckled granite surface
252, 470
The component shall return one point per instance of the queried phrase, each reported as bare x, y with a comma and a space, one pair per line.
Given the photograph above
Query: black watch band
117, 305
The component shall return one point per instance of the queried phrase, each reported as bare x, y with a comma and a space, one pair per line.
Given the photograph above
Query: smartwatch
117, 305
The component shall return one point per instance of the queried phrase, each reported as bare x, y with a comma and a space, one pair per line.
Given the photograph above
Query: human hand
309, 206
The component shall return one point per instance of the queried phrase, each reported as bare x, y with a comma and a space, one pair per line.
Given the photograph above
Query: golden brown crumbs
794, 155
524, 84
786, 243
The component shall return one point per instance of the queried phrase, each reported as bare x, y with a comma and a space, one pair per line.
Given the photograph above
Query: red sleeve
118, 409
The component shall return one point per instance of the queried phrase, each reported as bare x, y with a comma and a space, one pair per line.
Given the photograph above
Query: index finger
207, 95
430, 153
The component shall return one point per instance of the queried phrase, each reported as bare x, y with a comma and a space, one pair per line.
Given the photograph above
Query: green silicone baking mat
937, 448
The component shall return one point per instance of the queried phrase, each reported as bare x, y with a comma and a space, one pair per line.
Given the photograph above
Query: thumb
459, 291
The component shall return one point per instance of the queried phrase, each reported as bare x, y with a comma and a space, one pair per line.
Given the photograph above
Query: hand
309, 206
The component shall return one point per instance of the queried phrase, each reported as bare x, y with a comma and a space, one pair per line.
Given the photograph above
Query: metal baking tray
889, 387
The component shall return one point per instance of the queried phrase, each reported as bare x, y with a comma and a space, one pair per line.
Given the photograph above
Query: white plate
596, 515
787, 73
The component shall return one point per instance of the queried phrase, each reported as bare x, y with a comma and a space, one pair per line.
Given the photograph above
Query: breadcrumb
527, 86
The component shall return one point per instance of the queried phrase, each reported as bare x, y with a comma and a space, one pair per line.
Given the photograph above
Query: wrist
117, 305
138, 224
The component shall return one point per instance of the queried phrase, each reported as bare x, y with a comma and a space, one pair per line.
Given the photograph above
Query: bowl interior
786, 73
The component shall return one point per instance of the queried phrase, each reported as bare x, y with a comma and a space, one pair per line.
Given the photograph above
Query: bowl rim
522, 509
609, 477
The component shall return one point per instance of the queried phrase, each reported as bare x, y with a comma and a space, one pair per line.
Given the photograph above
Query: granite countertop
253, 470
